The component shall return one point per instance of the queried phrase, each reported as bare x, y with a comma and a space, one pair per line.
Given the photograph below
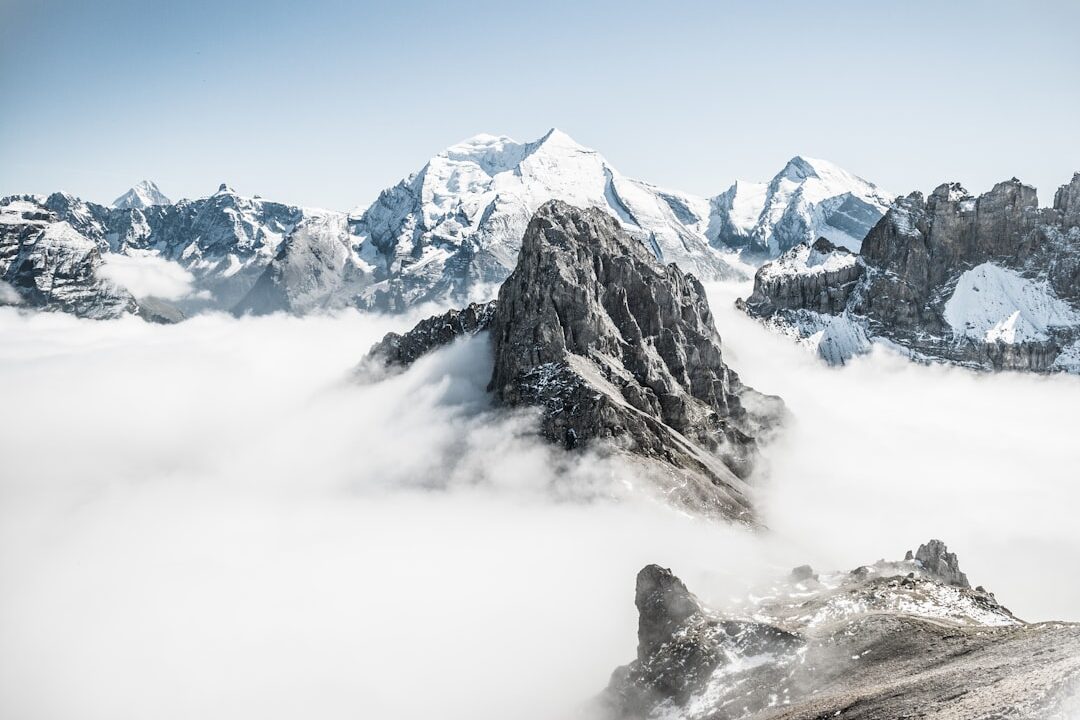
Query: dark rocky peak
948, 192
1067, 201
822, 245
681, 645
935, 558
1019, 194
664, 605
615, 349
587, 298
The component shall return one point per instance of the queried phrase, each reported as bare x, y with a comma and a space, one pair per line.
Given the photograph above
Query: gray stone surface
396, 350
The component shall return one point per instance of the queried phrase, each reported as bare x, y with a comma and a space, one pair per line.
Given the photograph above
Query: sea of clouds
216, 520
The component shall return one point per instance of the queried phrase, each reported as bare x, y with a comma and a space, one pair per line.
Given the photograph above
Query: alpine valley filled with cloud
523, 436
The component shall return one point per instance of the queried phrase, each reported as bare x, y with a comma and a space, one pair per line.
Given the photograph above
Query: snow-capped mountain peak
453, 229
141, 196
225, 189
823, 178
800, 168
809, 198
556, 138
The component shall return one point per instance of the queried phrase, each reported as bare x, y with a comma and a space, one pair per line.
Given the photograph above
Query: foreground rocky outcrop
616, 351
891, 640
991, 282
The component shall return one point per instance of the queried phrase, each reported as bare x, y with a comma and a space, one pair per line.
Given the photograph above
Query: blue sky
324, 103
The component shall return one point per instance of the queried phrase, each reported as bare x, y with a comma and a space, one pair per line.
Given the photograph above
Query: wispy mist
147, 275
209, 520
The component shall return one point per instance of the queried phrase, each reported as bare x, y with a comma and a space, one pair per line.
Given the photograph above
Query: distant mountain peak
143, 195
801, 167
225, 189
807, 199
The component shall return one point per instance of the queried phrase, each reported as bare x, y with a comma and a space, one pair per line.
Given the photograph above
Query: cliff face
990, 281
614, 348
896, 639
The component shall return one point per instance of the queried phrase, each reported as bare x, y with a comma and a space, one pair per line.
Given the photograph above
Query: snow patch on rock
808, 259
995, 304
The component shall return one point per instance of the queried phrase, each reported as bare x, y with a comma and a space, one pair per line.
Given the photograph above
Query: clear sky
324, 103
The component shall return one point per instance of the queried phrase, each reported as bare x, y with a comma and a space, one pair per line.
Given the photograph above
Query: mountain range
448, 233
990, 282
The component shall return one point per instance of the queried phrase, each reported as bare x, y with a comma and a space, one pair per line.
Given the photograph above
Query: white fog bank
884, 453
208, 520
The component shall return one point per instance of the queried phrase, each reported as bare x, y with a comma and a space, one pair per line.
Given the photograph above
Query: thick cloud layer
209, 520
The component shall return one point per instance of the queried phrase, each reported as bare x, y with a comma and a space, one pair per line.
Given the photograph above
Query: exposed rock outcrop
990, 282
396, 350
889, 640
613, 347
681, 645
935, 558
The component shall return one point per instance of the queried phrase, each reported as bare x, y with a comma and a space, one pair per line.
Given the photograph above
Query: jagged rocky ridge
613, 347
991, 282
889, 640
46, 263
224, 241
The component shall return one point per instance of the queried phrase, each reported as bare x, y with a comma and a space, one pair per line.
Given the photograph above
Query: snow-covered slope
992, 303
454, 228
145, 194
807, 259
808, 199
